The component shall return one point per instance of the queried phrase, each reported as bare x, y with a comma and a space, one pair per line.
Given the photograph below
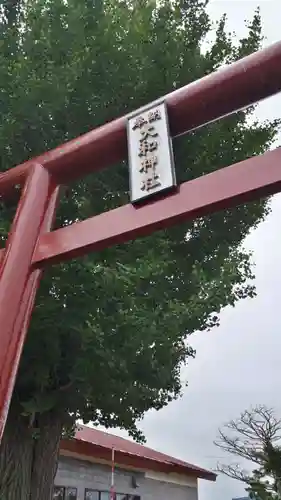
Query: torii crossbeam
32, 245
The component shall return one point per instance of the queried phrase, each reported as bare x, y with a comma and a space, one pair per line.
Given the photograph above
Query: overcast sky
238, 364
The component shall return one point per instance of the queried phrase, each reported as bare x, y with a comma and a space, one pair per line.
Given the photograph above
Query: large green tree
109, 333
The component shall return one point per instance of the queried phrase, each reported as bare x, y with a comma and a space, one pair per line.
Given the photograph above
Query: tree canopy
109, 332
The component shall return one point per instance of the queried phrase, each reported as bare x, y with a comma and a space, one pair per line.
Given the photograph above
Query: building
84, 470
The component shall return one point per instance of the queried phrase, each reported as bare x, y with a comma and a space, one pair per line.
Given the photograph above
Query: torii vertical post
30, 246
18, 280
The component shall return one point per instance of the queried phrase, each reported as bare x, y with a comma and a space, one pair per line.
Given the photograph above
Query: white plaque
151, 161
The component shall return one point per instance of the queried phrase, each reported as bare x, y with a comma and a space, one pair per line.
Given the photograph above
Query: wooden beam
248, 180
223, 92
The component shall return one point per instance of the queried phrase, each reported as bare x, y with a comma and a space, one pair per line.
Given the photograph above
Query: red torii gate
32, 245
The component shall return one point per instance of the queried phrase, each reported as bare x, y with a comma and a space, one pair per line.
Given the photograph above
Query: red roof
99, 444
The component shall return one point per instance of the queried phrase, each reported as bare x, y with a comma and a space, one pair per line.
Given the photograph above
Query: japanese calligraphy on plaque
151, 160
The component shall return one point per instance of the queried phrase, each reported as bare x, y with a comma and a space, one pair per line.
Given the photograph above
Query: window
70, 494
64, 493
105, 495
58, 493
91, 495
120, 496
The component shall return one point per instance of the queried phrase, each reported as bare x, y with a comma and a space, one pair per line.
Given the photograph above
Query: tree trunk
28, 457
16, 455
45, 457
